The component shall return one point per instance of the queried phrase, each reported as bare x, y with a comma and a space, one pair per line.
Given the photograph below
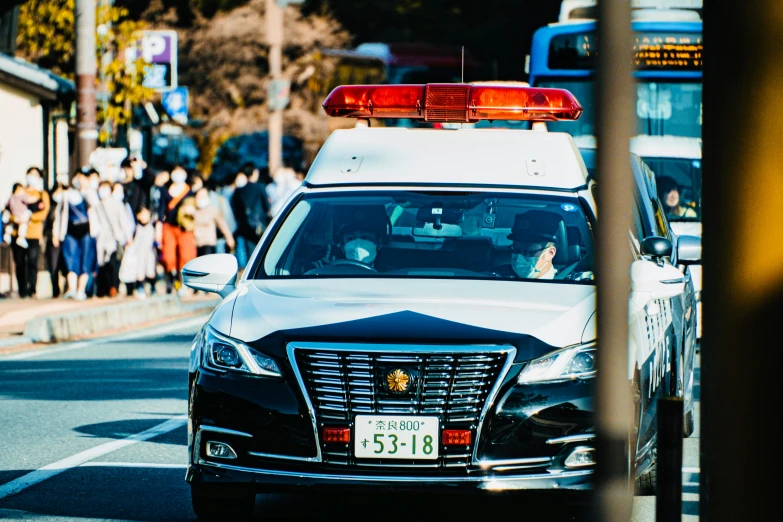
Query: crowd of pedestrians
133, 235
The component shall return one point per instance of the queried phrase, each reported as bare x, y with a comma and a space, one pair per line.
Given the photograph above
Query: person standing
26, 259
284, 183
115, 233
251, 211
208, 221
137, 195
53, 258
175, 229
75, 228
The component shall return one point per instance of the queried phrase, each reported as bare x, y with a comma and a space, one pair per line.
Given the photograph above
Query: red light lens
381, 101
454, 102
456, 437
340, 435
515, 103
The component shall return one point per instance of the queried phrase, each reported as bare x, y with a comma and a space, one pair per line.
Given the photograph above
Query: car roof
464, 157
666, 147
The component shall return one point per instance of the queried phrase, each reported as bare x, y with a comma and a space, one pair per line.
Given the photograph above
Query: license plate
396, 437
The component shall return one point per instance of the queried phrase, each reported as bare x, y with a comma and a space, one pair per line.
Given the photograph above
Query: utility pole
86, 63
274, 35
615, 119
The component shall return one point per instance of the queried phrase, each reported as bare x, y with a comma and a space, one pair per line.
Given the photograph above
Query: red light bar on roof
452, 102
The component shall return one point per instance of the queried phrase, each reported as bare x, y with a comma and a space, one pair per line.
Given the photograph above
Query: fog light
340, 435
581, 457
456, 437
220, 450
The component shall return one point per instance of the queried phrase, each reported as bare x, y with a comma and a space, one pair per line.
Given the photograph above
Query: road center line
50, 470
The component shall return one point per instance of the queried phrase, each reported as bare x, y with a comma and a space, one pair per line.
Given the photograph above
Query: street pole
86, 64
743, 260
274, 32
615, 120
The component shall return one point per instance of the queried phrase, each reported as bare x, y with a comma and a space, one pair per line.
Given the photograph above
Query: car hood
556, 314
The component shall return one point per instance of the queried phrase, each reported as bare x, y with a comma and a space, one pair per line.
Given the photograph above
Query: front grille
452, 385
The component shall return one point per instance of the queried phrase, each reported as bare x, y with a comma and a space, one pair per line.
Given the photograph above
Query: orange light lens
522, 103
456, 437
340, 435
380, 101
455, 102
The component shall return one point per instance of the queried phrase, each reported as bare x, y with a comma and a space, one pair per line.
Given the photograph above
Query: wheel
688, 425
221, 502
646, 483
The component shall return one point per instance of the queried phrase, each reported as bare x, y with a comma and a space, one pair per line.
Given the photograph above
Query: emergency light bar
452, 102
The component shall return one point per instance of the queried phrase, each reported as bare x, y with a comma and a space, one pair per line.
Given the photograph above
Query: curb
65, 327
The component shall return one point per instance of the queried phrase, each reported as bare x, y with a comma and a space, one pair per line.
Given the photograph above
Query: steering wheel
351, 262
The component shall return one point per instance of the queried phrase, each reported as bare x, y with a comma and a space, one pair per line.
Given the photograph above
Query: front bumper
277, 481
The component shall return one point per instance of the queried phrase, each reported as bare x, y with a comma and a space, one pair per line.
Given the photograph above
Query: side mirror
213, 273
689, 250
661, 282
656, 246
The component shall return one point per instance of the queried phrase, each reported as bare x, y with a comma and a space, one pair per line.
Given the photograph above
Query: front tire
647, 483
219, 502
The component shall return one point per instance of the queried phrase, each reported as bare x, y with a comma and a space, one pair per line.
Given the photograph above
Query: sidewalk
55, 320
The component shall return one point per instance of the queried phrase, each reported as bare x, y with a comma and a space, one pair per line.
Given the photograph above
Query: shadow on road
126, 428
94, 379
108, 493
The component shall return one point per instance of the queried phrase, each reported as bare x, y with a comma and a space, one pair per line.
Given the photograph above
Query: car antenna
463, 65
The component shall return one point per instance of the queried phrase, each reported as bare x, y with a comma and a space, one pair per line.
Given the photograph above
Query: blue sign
175, 103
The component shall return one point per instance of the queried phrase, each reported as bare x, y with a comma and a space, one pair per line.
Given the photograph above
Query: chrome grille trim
453, 382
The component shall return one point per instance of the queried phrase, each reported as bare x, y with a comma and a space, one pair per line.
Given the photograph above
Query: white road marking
67, 347
691, 470
94, 464
50, 470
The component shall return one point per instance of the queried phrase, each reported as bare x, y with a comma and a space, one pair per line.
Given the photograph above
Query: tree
46, 35
47, 38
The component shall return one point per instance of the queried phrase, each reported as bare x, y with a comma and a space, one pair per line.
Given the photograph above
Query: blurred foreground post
615, 102
274, 35
743, 260
668, 502
86, 64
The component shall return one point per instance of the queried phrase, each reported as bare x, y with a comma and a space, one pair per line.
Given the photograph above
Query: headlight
223, 353
576, 362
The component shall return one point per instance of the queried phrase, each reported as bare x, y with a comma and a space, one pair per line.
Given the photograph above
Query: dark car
253, 148
420, 318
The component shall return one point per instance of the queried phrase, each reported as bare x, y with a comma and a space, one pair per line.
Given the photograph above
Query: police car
422, 313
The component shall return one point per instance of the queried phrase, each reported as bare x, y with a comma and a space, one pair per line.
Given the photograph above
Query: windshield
662, 108
432, 235
678, 181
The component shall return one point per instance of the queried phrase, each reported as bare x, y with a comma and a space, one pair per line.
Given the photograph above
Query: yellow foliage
46, 37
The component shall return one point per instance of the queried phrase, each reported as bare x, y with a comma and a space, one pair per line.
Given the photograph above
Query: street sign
159, 50
277, 94
175, 103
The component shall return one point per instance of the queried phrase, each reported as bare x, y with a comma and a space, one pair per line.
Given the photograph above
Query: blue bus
668, 59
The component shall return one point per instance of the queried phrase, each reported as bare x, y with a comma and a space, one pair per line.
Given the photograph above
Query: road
95, 430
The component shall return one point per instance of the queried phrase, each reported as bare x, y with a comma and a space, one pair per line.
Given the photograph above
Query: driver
361, 238
533, 245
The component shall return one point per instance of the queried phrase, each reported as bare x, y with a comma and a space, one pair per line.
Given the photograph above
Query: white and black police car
421, 314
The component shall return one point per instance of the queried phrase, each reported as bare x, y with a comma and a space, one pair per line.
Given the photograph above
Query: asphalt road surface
95, 430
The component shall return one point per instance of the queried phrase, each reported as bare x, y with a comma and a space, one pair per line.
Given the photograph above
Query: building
34, 110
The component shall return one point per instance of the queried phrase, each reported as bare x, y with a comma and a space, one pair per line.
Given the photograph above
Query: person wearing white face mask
208, 221
533, 249
53, 259
26, 258
76, 225
175, 230
114, 234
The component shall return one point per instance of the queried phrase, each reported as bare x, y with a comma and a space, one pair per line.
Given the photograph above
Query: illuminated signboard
652, 51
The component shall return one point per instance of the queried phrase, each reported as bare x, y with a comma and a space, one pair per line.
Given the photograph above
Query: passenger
669, 194
533, 249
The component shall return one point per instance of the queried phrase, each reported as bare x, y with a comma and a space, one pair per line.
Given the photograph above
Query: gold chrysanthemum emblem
398, 380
